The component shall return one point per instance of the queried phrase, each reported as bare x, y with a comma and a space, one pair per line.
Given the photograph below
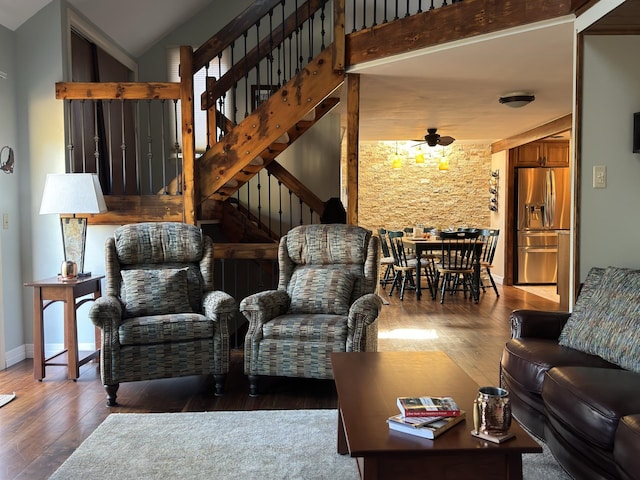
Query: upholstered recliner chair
160, 316
324, 303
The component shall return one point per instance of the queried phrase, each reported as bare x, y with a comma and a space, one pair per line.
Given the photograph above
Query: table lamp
75, 194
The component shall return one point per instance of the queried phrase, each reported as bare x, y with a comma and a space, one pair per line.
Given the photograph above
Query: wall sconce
493, 190
73, 193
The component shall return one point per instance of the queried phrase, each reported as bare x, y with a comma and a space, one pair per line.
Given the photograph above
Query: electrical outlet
599, 176
5, 221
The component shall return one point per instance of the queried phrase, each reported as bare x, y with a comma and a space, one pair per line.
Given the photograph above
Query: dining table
433, 244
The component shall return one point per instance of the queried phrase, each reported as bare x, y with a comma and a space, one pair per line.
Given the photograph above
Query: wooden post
353, 127
339, 39
189, 173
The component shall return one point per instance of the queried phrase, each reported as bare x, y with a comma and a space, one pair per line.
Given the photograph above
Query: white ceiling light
517, 100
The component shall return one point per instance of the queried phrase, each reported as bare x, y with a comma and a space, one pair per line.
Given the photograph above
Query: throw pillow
608, 324
155, 292
320, 290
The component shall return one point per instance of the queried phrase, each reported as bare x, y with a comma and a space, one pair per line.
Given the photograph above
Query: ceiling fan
432, 138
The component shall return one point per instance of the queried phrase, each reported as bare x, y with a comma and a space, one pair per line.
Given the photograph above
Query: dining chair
386, 260
456, 270
403, 267
490, 238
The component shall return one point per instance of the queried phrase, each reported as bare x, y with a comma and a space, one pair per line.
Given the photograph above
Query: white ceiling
454, 88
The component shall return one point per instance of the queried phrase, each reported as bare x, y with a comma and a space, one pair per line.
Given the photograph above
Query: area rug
264, 444
6, 398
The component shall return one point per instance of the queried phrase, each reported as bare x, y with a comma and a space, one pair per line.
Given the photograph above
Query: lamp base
84, 275
74, 236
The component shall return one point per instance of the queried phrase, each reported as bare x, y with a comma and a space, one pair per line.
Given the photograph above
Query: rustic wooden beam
269, 121
441, 25
117, 90
123, 209
215, 89
275, 149
189, 171
296, 186
339, 54
246, 251
558, 125
353, 140
229, 33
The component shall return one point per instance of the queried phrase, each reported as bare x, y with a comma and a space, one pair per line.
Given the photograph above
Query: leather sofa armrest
537, 323
626, 447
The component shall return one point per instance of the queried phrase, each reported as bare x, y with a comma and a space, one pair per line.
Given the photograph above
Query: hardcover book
427, 429
428, 407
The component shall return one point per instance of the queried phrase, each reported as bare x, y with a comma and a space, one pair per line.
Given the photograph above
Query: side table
47, 292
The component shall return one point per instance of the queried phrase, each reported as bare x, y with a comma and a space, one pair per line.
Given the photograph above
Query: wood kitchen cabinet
543, 154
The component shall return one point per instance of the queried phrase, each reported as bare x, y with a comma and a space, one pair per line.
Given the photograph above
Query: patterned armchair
160, 316
324, 303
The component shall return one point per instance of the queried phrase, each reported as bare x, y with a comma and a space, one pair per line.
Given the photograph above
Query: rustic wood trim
217, 88
435, 27
246, 251
123, 209
268, 122
339, 56
577, 169
581, 6
117, 90
296, 186
558, 125
230, 32
353, 141
189, 171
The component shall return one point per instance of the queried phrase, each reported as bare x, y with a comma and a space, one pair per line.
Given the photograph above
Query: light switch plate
599, 176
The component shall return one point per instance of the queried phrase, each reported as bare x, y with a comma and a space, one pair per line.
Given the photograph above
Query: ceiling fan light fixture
517, 100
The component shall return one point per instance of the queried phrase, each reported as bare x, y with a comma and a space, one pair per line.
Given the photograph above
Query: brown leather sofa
586, 409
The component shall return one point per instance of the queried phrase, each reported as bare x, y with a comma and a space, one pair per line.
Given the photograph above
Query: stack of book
426, 417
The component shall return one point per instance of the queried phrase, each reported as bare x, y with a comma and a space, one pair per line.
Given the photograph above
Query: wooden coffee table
368, 385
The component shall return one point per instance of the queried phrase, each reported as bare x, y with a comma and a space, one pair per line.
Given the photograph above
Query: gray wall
610, 230
11, 331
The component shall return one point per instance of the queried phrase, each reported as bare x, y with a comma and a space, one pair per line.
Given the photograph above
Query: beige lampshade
77, 194
72, 193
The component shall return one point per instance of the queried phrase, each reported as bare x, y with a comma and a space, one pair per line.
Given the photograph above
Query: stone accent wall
421, 194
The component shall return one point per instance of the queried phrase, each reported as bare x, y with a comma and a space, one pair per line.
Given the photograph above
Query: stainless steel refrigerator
543, 210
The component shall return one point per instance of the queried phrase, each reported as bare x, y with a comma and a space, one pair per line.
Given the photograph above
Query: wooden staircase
255, 142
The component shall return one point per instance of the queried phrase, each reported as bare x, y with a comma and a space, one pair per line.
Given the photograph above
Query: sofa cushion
155, 292
308, 328
528, 359
626, 450
590, 401
602, 326
320, 290
165, 329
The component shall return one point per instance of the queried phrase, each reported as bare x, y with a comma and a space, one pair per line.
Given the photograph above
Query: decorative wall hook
6, 159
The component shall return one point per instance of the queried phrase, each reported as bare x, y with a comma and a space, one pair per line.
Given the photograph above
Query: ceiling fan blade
420, 142
446, 140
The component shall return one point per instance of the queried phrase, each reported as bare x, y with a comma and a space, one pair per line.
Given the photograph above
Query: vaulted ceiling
453, 87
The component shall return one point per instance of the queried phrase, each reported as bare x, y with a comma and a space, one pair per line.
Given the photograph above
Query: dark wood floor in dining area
49, 419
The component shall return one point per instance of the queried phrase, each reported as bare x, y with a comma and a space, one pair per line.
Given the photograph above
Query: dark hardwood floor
49, 419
